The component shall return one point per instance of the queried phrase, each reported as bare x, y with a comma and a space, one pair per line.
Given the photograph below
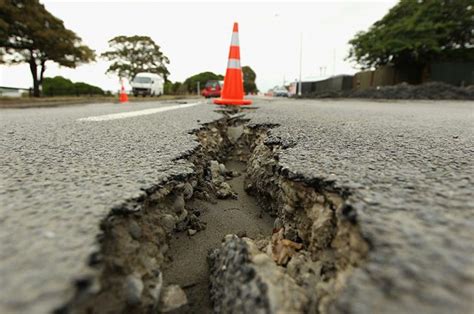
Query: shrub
60, 86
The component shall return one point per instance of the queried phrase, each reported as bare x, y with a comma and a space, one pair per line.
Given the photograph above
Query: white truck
147, 84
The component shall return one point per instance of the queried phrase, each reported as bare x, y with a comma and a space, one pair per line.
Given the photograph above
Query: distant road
60, 101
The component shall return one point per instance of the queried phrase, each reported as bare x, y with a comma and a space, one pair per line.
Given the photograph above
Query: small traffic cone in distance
233, 91
123, 95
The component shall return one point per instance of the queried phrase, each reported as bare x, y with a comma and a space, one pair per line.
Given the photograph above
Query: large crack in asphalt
237, 214
236, 235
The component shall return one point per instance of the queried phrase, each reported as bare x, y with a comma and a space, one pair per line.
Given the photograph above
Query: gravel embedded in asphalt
410, 169
61, 177
407, 164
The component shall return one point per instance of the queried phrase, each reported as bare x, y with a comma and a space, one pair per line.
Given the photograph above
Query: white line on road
123, 115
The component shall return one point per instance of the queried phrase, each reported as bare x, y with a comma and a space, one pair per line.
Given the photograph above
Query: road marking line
130, 114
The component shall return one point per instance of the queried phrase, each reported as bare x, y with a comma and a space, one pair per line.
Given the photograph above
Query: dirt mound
432, 90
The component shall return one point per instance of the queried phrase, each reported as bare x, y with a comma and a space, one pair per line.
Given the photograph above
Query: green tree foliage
190, 84
60, 86
176, 86
171, 88
416, 33
167, 88
82, 88
249, 80
131, 55
29, 33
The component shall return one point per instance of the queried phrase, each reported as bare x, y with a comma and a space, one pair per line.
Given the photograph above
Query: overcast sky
196, 36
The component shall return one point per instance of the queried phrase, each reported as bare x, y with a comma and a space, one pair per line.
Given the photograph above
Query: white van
147, 84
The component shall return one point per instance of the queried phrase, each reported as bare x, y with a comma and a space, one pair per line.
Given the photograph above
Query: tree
171, 88
134, 54
29, 33
57, 86
249, 77
190, 83
415, 33
175, 87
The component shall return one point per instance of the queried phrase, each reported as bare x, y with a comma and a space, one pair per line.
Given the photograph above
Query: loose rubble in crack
302, 265
235, 235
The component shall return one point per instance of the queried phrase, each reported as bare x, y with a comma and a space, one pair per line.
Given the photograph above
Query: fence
387, 75
459, 74
13, 91
336, 83
454, 73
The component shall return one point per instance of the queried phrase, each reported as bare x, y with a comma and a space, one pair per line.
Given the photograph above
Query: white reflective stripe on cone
233, 64
235, 39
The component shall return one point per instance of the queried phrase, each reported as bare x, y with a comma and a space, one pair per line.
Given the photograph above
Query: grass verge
27, 102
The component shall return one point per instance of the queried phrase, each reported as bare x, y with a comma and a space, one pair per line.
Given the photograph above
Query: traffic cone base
233, 90
238, 102
123, 95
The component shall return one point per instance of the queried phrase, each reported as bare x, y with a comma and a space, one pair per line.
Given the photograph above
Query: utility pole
301, 62
198, 88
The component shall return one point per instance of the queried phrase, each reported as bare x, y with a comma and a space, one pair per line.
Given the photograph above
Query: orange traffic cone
123, 95
233, 91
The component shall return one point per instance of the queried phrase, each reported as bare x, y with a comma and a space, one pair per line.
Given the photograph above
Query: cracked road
407, 166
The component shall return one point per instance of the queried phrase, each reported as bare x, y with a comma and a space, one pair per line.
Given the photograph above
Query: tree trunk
42, 69
34, 73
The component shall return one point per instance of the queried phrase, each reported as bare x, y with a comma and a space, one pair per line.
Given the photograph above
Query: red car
212, 89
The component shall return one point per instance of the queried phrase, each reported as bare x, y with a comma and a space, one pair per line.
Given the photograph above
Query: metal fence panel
459, 73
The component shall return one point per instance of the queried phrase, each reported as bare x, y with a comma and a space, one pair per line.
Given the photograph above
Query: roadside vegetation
249, 80
60, 86
191, 83
131, 55
416, 33
172, 88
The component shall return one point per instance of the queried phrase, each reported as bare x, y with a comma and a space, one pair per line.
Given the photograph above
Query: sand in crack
188, 267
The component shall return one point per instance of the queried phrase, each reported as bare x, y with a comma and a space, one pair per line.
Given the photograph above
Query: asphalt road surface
408, 164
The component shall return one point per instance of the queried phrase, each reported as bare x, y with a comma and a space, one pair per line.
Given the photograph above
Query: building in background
331, 84
12, 91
